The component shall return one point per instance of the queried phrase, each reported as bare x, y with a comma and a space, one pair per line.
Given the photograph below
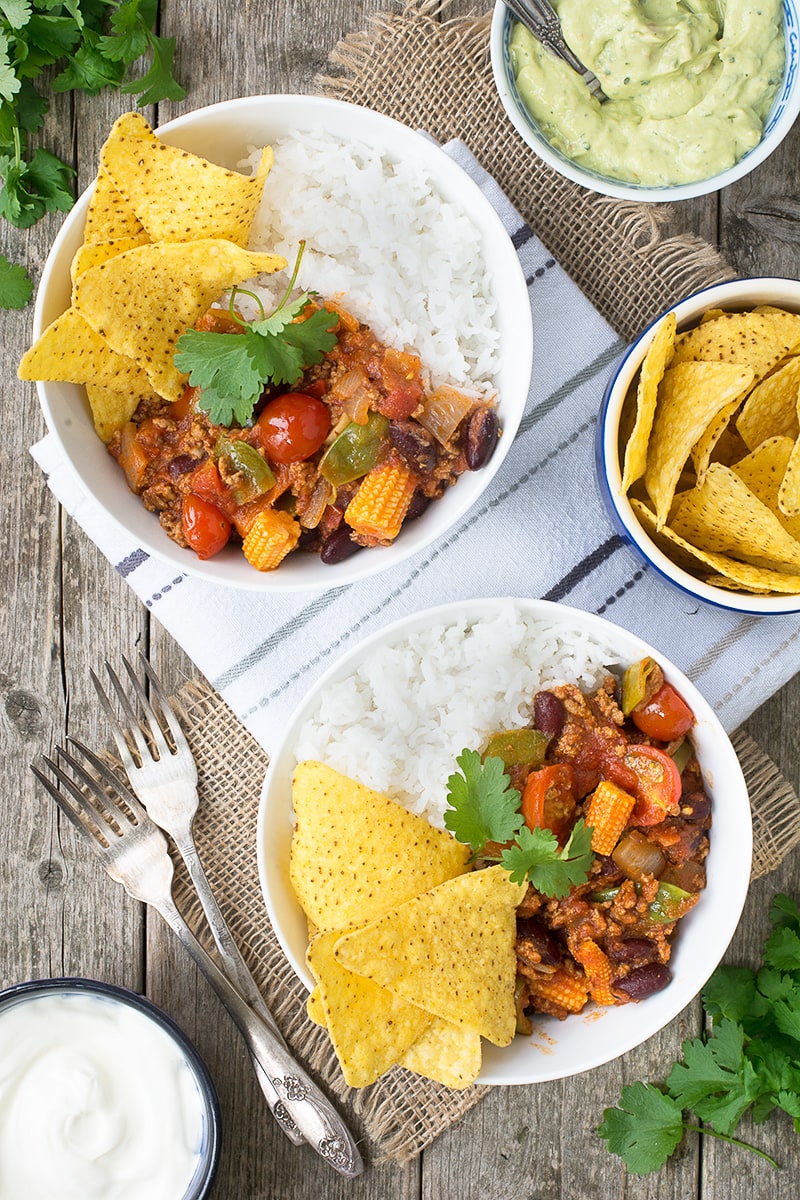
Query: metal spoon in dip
542, 20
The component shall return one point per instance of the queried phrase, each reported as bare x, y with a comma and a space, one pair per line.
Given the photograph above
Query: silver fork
543, 21
163, 775
134, 851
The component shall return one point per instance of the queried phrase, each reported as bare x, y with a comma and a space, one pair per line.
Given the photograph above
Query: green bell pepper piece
355, 451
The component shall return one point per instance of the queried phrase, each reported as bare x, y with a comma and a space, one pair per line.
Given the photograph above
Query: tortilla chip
789, 490
142, 301
763, 470
108, 216
70, 350
356, 854
91, 254
697, 561
180, 197
447, 1053
111, 408
690, 396
370, 1028
314, 1008
451, 950
704, 447
652, 371
771, 409
725, 517
749, 339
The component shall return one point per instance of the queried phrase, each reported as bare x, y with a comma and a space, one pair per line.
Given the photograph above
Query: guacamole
690, 84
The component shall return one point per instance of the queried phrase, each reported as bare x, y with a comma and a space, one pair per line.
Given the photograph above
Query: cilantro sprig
748, 1062
74, 45
484, 808
232, 371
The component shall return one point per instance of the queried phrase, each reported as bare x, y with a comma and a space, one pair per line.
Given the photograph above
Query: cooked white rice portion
383, 241
398, 723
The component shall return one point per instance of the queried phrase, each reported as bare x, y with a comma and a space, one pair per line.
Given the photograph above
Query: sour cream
97, 1102
690, 85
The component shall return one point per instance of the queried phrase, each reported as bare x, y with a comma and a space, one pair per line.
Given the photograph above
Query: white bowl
556, 1049
739, 294
223, 133
781, 117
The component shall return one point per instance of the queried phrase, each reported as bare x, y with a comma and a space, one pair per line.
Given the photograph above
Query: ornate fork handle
542, 20
314, 1115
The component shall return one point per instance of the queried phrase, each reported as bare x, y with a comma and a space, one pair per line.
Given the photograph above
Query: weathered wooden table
64, 610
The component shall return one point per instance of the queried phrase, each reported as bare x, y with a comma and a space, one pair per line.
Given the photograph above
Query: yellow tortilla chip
314, 1008
762, 470
652, 371
450, 950
108, 216
356, 854
446, 1053
725, 517
142, 301
70, 350
749, 339
705, 446
789, 490
370, 1028
91, 254
771, 409
697, 561
111, 408
180, 197
689, 398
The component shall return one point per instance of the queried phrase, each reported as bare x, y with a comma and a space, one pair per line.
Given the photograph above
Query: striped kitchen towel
540, 530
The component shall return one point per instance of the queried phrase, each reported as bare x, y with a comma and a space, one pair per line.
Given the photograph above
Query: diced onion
637, 857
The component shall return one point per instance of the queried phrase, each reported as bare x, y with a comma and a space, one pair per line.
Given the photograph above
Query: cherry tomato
665, 716
548, 799
293, 426
658, 788
205, 526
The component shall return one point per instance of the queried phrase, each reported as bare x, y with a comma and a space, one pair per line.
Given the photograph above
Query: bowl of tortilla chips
698, 445
132, 270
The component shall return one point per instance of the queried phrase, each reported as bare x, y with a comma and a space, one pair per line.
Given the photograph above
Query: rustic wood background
64, 610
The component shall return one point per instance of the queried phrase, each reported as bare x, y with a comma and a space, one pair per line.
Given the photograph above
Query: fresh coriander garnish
16, 288
232, 370
749, 1062
485, 808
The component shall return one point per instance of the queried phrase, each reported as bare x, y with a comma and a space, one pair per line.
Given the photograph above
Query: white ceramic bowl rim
557, 1049
733, 294
256, 119
780, 119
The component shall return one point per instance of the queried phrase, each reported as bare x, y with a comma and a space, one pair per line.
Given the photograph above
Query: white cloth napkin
540, 530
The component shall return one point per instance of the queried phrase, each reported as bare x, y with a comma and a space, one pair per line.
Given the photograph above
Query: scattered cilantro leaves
231, 370
484, 808
16, 288
748, 1062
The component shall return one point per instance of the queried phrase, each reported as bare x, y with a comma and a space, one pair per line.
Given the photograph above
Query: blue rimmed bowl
780, 119
736, 295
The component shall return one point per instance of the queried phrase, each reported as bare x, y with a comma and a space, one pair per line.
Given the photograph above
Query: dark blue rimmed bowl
736, 295
208, 1158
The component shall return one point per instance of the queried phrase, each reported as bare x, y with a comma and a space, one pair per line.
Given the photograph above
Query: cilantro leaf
88, 70
536, 858
16, 12
714, 1079
785, 912
159, 83
9, 83
645, 1129
16, 288
483, 807
131, 23
782, 949
288, 347
731, 992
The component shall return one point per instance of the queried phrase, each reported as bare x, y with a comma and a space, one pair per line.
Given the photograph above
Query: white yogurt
97, 1102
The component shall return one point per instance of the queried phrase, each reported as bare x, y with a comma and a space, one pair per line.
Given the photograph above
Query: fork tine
92, 822
168, 712
154, 725
144, 731
110, 779
117, 731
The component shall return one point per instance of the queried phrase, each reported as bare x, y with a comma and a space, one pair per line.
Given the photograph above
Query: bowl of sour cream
101, 1095
699, 94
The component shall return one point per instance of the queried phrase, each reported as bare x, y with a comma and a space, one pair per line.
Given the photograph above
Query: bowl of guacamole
698, 94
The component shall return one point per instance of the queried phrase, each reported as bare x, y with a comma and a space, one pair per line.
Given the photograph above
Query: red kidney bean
696, 806
643, 981
549, 713
480, 437
414, 445
418, 505
632, 950
180, 465
533, 931
338, 547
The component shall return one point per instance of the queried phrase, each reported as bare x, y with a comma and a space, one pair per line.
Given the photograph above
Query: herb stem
293, 280
724, 1137
17, 145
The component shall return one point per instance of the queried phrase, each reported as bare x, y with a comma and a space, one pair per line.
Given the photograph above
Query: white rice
398, 723
382, 241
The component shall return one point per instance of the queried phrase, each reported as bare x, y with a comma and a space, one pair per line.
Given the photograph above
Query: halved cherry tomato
658, 789
293, 426
665, 716
548, 799
205, 526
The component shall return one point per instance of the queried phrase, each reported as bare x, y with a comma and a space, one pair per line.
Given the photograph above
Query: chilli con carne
341, 460
619, 758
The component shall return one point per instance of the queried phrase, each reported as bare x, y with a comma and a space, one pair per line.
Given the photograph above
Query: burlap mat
401, 1114
434, 74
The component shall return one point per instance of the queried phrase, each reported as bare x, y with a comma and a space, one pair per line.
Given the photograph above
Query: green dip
690, 84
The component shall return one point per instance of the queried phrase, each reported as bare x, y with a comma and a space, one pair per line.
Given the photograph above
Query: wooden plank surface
65, 609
